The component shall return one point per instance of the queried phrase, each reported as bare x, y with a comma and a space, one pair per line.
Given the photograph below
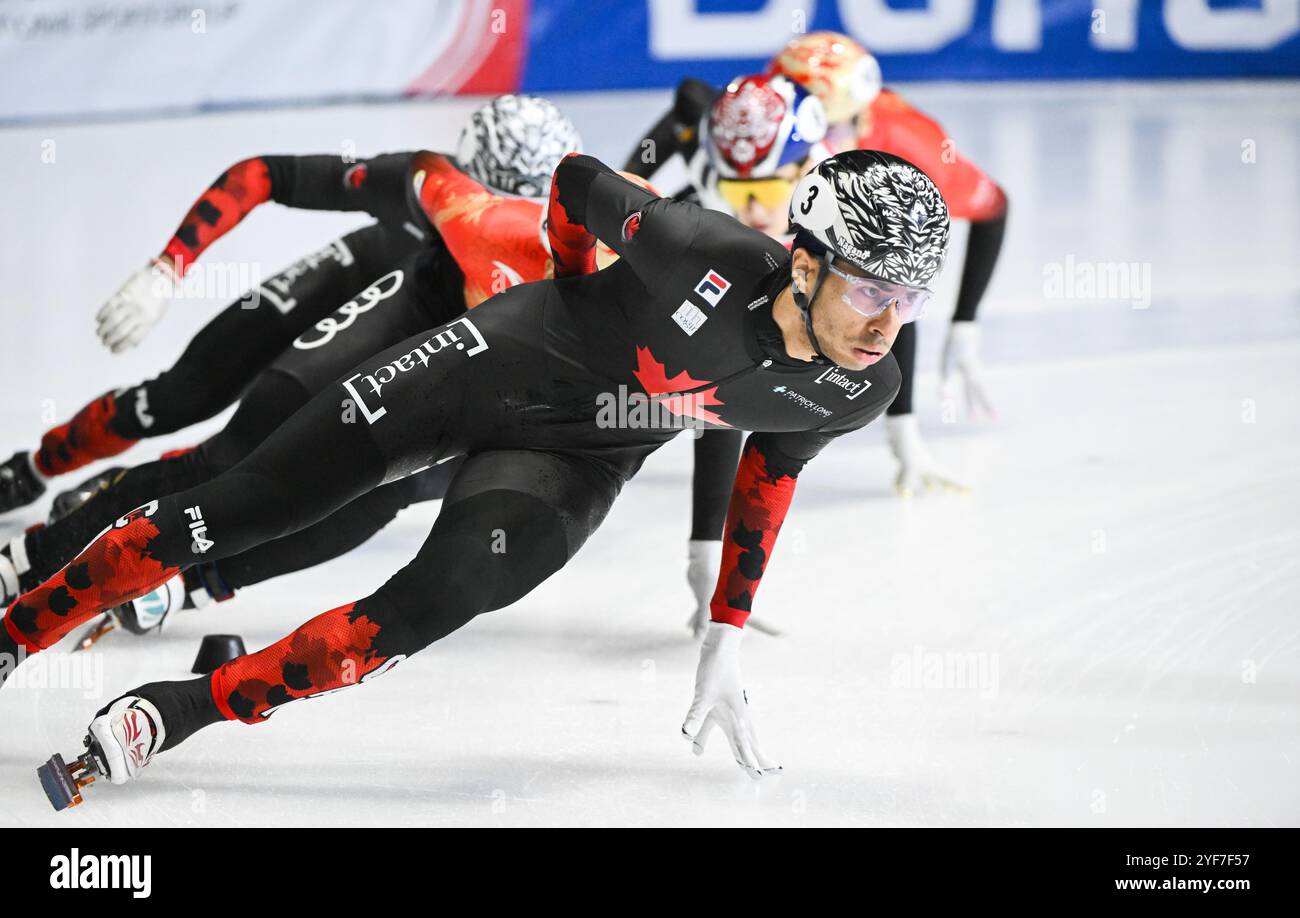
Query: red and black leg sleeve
334, 650
119, 566
89, 436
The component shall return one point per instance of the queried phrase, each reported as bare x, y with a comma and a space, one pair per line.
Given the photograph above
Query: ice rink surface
1106, 632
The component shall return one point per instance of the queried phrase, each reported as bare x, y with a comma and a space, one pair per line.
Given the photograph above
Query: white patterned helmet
877, 211
513, 143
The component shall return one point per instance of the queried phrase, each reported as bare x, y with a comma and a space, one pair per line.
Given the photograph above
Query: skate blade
91, 636
61, 783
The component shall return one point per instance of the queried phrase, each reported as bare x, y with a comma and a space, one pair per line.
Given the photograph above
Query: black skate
139, 616
74, 498
16, 576
19, 483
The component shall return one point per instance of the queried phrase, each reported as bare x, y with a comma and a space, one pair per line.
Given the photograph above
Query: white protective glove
720, 702
916, 467
135, 309
963, 370
704, 557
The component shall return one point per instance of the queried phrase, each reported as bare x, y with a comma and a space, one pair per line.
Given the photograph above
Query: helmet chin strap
805, 300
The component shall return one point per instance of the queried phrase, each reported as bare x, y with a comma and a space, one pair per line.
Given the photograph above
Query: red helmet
761, 123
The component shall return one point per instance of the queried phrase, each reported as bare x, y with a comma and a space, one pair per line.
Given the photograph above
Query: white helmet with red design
759, 124
835, 68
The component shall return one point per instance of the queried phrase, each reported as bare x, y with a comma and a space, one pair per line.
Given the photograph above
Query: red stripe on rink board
487, 56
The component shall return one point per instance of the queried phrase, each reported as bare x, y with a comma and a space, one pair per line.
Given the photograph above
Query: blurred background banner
656, 42
69, 59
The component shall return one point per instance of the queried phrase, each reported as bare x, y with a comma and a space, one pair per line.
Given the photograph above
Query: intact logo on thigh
461, 335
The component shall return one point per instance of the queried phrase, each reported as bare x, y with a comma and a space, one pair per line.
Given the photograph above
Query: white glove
962, 368
129, 314
916, 467
703, 560
720, 702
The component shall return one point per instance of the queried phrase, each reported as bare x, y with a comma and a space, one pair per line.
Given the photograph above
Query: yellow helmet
833, 67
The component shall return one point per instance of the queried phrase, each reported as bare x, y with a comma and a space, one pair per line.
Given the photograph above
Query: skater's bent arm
324, 182
222, 205
676, 132
590, 201
765, 480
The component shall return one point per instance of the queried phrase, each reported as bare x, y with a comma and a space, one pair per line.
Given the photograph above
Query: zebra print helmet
513, 143
877, 211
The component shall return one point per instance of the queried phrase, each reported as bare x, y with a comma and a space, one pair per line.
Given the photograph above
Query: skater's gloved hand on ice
917, 469
720, 702
962, 369
135, 309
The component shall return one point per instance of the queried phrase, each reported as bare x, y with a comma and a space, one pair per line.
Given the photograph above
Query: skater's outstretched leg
310, 468
430, 397
273, 398
331, 538
510, 520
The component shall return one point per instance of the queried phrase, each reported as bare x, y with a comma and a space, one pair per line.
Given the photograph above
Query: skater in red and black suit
701, 320
477, 241
224, 357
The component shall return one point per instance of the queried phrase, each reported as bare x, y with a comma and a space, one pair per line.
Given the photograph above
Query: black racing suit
555, 392
340, 317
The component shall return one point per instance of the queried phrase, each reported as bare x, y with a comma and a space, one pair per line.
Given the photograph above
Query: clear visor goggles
870, 296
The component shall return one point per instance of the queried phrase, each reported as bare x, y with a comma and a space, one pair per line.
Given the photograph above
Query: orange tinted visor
771, 193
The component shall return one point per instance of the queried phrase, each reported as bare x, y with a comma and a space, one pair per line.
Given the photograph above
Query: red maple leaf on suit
655, 380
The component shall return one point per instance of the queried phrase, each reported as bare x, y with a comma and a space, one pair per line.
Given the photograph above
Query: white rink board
1126, 566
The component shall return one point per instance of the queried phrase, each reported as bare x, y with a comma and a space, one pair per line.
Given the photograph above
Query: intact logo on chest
837, 377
